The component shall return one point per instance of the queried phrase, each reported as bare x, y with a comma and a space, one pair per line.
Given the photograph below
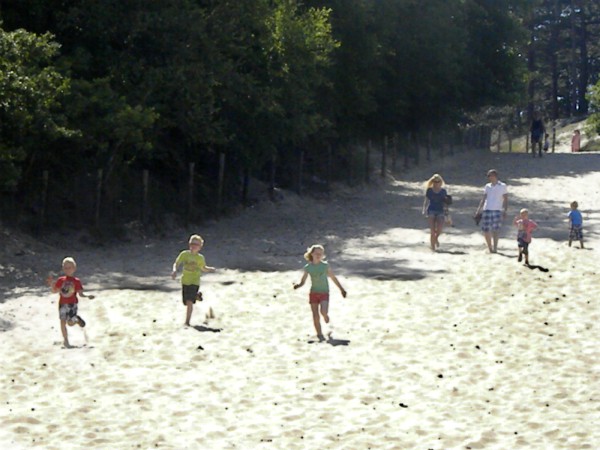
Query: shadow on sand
204, 329
331, 341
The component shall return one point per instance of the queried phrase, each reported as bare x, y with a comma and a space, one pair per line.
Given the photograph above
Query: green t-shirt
318, 276
192, 267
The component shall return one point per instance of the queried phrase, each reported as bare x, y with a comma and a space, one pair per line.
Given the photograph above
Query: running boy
575, 224
319, 270
193, 265
69, 288
525, 227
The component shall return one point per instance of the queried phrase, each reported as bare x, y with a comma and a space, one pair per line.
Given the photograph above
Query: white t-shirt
494, 196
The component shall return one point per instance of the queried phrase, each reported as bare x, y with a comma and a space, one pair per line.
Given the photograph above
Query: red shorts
318, 297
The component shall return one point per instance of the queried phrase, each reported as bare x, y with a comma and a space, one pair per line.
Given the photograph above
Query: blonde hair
311, 249
524, 210
574, 205
434, 177
196, 238
69, 260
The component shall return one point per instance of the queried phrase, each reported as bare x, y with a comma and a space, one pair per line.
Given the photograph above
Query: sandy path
454, 349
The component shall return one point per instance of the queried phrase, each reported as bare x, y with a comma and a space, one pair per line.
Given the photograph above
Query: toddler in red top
525, 227
68, 287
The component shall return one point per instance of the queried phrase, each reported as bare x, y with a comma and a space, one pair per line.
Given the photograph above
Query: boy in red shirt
69, 288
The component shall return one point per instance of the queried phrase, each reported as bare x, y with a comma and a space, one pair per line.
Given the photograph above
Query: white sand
450, 350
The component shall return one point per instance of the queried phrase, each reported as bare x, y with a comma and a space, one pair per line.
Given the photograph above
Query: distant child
193, 265
525, 227
576, 141
318, 270
575, 224
69, 287
547, 142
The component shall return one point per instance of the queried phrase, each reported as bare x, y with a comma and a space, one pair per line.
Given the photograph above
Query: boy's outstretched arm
81, 294
299, 285
51, 282
174, 271
336, 282
208, 269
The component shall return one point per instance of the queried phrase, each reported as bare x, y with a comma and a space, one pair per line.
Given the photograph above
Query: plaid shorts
491, 220
576, 233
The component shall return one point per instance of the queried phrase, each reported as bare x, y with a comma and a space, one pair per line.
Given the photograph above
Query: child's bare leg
438, 232
570, 242
581, 243
432, 236
188, 314
488, 240
316, 320
325, 311
495, 236
63, 330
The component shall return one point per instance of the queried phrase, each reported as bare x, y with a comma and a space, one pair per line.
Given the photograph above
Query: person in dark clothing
538, 130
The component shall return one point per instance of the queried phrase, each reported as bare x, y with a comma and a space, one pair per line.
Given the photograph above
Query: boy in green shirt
193, 265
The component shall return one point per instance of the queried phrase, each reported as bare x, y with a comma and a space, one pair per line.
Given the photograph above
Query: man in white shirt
493, 208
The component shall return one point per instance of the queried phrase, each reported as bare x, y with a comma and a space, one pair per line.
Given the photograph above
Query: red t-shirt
68, 287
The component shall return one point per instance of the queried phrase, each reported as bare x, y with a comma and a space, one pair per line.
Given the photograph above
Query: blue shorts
576, 233
524, 245
491, 220
437, 216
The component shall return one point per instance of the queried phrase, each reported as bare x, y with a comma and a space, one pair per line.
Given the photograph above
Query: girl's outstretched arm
299, 285
336, 282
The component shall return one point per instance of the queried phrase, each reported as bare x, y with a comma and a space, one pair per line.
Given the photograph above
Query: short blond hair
196, 238
69, 260
524, 210
311, 249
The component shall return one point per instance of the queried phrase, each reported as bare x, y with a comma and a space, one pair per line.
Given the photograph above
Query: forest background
180, 105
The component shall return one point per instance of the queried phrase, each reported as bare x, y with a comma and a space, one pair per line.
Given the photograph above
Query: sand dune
454, 349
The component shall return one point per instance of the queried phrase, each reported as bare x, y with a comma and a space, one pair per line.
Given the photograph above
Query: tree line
107, 87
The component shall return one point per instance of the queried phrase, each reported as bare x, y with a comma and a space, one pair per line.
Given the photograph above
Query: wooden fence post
553, 138
383, 156
45, 176
406, 156
329, 164
499, 136
428, 149
394, 151
273, 172
98, 198
510, 142
190, 192
220, 183
145, 183
350, 170
527, 143
368, 163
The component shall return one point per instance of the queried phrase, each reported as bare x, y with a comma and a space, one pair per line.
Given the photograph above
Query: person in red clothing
525, 226
68, 287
